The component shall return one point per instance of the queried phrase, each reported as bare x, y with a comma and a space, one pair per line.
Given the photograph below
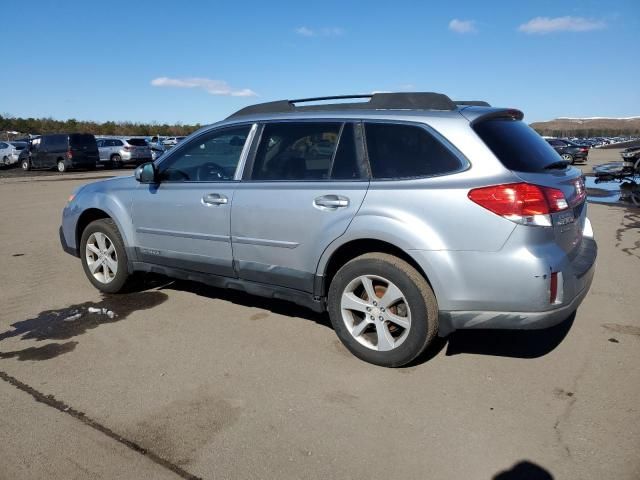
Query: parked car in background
569, 151
156, 150
172, 141
7, 153
631, 159
62, 151
18, 147
116, 152
403, 216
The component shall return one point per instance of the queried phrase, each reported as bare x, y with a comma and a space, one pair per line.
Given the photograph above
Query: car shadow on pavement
279, 307
524, 470
505, 343
509, 343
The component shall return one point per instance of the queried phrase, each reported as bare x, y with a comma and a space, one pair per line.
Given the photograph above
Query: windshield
516, 145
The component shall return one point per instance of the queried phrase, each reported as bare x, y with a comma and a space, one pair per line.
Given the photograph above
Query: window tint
296, 151
403, 151
81, 140
212, 157
516, 145
3, 145
137, 142
116, 143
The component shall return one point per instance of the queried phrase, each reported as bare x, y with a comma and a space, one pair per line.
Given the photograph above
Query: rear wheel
116, 161
382, 309
62, 167
5, 160
104, 258
568, 157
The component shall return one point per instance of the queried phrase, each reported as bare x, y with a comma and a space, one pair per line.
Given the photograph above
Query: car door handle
331, 201
214, 199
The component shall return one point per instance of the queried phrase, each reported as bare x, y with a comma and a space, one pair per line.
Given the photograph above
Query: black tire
116, 161
419, 297
122, 277
26, 165
5, 160
61, 166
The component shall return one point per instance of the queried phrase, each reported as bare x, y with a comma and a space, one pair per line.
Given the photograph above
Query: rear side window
296, 151
405, 151
137, 142
84, 140
517, 146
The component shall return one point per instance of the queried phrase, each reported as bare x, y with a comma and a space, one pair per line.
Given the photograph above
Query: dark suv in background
569, 151
61, 151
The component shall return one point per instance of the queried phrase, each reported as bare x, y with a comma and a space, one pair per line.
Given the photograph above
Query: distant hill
588, 127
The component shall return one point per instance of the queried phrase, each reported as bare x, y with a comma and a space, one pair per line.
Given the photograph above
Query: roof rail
472, 103
377, 101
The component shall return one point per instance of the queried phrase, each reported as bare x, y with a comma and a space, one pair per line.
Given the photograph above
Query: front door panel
176, 227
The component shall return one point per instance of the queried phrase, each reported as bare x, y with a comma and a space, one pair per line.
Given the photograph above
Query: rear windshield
19, 145
516, 145
137, 142
82, 139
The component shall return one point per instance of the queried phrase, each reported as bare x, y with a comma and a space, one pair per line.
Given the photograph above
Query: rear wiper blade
557, 165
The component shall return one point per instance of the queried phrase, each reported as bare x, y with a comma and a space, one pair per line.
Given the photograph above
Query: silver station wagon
404, 215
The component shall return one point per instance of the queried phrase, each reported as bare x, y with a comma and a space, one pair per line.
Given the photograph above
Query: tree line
39, 126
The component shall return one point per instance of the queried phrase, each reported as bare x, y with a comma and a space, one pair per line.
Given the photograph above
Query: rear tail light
128, 148
69, 154
523, 203
585, 150
553, 287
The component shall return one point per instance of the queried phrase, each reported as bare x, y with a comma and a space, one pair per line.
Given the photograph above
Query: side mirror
147, 173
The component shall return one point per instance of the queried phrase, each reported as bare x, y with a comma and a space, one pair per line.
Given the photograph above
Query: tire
5, 160
568, 157
26, 165
116, 161
417, 309
97, 267
61, 166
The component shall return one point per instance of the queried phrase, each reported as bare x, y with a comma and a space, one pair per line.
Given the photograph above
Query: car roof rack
471, 103
377, 101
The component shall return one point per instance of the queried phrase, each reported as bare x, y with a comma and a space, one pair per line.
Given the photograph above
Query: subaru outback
404, 215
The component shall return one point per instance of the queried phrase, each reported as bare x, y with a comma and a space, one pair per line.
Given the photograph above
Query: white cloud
462, 26
319, 32
542, 25
214, 87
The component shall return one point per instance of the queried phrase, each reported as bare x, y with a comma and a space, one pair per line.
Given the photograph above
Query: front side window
212, 157
297, 151
405, 151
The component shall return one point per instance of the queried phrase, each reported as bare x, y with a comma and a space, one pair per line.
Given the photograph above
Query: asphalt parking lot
190, 381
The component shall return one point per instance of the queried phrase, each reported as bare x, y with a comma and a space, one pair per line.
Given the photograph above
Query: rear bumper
458, 320
509, 289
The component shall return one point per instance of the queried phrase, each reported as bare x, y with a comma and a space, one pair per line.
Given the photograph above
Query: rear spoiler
475, 114
471, 103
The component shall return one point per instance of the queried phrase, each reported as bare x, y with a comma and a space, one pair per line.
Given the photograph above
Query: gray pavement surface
194, 382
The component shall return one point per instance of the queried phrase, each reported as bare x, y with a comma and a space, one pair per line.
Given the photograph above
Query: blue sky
195, 61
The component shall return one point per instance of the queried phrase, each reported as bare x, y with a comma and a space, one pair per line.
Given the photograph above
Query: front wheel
62, 167
26, 165
382, 309
104, 258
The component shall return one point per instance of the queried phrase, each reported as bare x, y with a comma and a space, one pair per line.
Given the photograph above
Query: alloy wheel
375, 312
